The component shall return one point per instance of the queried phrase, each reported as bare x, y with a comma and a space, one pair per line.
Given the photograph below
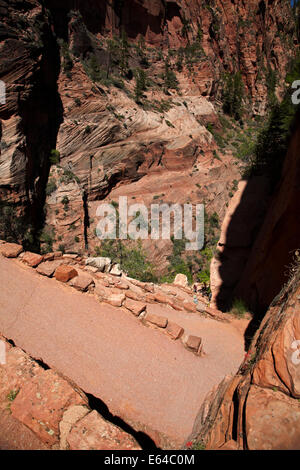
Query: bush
238, 308
65, 200
51, 187
54, 157
12, 227
132, 260
170, 79
62, 248
47, 238
140, 84
68, 177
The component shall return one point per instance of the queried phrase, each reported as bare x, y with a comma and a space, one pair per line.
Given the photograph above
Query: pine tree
124, 54
140, 84
170, 79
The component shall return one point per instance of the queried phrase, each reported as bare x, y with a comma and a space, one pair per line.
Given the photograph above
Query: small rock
48, 268
81, 282
135, 307
70, 417
150, 298
174, 330
157, 320
161, 298
121, 285
70, 256
132, 295
91, 269
116, 300
116, 270
65, 273
32, 259
194, 343
176, 306
49, 257
190, 306
11, 250
200, 307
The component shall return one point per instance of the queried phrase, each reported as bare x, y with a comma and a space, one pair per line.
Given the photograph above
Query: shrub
54, 157
140, 84
51, 187
170, 79
62, 248
12, 395
68, 176
131, 259
47, 238
238, 308
65, 200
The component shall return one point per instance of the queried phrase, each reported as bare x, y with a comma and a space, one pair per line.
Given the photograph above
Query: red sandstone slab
10, 250
194, 343
190, 306
32, 259
95, 433
48, 268
157, 320
135, 307
81, 282
41, 402
174, 331
65, 273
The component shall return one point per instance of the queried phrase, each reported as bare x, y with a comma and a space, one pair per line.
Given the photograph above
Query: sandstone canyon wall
258, 409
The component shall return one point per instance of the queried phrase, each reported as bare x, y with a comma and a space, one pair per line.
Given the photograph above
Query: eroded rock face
227, 28
41, 402
40, 409
95, 433
258, 409
278, 238
105, 139
30, 117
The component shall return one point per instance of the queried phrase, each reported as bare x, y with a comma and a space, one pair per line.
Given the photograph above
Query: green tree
233, 93
124, 54
170, 79
140, 84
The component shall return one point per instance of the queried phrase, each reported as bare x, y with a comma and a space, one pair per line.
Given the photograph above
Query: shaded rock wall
250, 36
258, 409
30, 119
279, 237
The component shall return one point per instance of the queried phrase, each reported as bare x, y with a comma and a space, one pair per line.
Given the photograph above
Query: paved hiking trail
144, 377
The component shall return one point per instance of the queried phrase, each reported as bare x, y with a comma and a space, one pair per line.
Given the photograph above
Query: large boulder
101, 263
10, 250
95, 433
65, 273
181, 280
41, 403
32, 259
